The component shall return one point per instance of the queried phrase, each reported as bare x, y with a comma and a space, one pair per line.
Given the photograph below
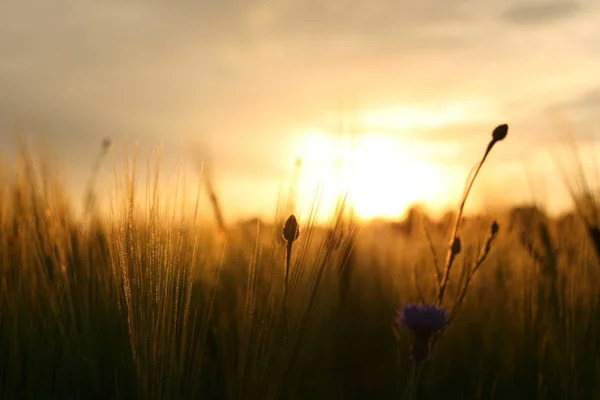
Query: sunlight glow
381, 174
415, 117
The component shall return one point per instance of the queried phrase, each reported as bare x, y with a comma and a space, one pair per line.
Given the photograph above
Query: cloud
239, 68
541, 12
151, 67
588, 100
578, 115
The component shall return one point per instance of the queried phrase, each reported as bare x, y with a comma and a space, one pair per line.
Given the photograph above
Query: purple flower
423, 318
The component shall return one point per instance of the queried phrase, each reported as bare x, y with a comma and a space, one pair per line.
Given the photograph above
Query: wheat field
150, 301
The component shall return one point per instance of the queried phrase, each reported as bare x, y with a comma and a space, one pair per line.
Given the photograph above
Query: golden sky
253, 85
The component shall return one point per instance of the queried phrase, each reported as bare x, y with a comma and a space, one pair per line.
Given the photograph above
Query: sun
382, 174
387, 177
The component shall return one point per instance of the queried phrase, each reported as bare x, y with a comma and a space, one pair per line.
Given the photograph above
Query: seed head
500, 132
291, 230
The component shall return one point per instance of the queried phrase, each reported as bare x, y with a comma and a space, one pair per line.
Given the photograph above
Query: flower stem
411, 390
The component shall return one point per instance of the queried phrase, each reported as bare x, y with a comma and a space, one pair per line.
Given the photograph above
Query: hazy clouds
153, 67
238, 74
541, 11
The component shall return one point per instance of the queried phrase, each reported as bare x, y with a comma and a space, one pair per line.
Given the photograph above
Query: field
150, 301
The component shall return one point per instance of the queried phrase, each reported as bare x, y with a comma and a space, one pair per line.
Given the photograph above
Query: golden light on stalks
213, 198
578, 184
498, 134
89, 192
428, 321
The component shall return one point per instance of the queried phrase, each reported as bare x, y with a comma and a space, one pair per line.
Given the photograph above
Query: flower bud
456, 246
500, 132
291, 230
494, 228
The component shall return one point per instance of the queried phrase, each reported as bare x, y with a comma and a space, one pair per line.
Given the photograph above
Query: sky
251, 86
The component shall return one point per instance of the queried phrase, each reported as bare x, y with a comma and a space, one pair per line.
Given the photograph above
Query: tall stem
411, 390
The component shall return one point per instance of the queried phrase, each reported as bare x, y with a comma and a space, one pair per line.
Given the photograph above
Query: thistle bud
291, 230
